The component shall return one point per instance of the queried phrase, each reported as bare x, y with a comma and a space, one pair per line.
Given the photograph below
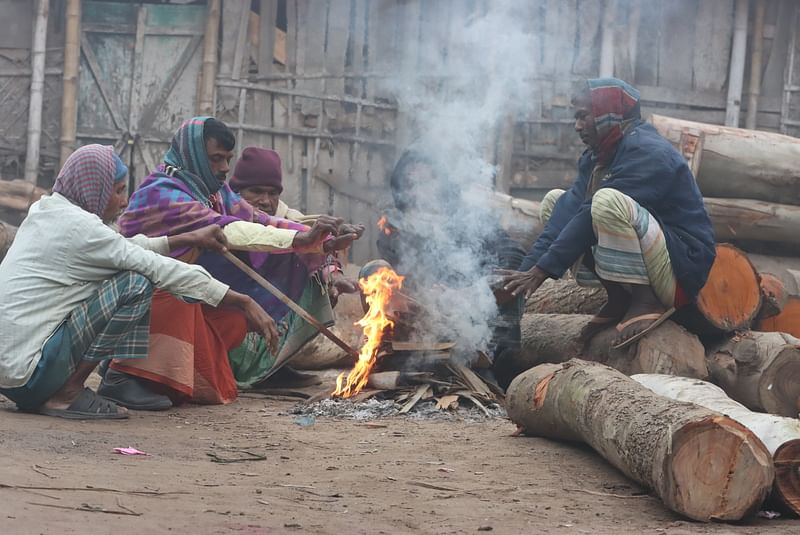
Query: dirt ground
394, 475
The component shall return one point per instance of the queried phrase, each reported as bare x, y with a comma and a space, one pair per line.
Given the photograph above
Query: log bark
773, 296
519, 217
555, 338
779, 434
788, 321
742, 164
19, 194
786, 268
754, 221
730, 299
7, 233
701, 464
759, 370
564, 296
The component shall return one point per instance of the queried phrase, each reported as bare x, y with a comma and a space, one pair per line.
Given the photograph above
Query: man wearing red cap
257, 177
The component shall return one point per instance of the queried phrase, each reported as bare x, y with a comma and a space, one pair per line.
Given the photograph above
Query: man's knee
548, 203
608, 205
135, 285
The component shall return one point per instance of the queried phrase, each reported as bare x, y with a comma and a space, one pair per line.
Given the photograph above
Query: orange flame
378, 289
383, 225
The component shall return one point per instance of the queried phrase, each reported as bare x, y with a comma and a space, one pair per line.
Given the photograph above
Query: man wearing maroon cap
257, 177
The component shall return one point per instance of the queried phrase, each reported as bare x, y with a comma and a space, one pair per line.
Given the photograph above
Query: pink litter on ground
129, 451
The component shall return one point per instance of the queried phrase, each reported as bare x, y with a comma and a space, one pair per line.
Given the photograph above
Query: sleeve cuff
216, 292
551, 266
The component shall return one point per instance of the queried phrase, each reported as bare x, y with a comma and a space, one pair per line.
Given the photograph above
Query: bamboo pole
607, 43
209, 74
738, 53
38, 48
69, 98
756, 57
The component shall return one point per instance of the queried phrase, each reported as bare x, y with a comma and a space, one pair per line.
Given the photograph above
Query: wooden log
787, 269
740, 163
700, 463
759, 370
788, 321
773, 296
730, 299
749, 220
555, 338
779, 434
19, 194
564, 296
7, 233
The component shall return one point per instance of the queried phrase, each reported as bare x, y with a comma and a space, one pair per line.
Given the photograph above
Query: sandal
87, 406
658, 319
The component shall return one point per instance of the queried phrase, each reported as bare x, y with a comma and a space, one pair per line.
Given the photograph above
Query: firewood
564, 296
779, 434
384, 380
701, 464
773, 296
730, 299
787, 269
788, 321
754, 221
667, 349
759, 370
742, 164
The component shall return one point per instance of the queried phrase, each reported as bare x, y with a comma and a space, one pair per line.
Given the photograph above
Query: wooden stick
291, 304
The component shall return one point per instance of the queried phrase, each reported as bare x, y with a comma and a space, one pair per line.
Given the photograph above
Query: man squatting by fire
633, 221
168, 345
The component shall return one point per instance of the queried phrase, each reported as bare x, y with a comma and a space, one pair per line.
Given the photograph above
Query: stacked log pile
16, 196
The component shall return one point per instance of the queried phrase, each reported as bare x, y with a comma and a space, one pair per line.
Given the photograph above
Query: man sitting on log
258, 178
75, 292
634, 219
197, 355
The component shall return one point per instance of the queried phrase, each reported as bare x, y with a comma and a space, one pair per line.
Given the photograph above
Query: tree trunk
18, 194
749, 220
564, 296
555, 338
730, 299
743, 164
7, 233
519, 217
773, 296
788, 321
779, 434
759, 370
701, 464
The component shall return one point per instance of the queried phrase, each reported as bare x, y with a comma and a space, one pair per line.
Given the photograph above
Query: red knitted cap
257, 167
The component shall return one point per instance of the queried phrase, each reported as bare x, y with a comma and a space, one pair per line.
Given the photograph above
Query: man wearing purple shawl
189, 346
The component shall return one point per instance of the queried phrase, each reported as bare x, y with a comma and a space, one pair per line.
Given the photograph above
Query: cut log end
732, 296
788, 321
718, 454
773, 296
779, 386
787, 475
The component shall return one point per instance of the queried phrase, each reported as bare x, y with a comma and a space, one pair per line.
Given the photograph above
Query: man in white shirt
74, 292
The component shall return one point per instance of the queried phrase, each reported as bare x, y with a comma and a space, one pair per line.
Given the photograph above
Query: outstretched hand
324, 226
522, 282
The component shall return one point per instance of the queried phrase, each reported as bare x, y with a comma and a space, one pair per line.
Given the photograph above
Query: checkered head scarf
613, 103
87, 178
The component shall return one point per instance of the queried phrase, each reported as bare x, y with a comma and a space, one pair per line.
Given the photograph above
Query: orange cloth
188, 351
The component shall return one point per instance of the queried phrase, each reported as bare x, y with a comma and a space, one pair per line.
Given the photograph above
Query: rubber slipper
87, 406
659, 319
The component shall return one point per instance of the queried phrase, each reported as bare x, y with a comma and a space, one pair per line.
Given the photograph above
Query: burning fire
378, 289
383, 224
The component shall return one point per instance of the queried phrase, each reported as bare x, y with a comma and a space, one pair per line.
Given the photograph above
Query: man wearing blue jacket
634, 219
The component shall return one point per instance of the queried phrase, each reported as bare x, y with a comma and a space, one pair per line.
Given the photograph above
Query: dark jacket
647, 168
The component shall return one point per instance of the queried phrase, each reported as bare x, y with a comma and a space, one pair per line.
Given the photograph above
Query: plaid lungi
631, 247
113, 323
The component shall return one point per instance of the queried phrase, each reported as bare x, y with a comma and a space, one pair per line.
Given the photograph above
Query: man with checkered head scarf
74, 292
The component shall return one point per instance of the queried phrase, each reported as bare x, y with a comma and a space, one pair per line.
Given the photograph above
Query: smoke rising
454, 100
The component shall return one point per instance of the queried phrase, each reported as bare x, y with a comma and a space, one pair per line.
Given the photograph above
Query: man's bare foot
64, 398
645, 312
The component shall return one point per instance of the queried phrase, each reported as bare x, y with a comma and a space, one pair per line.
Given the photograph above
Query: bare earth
396, 475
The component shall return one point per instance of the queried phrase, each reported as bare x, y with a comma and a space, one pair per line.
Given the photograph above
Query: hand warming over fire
522, 282
330, 233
